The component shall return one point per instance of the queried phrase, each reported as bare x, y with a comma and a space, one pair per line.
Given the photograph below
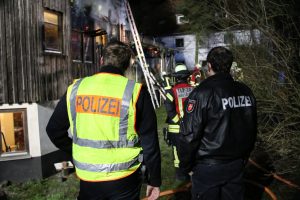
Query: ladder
150, 79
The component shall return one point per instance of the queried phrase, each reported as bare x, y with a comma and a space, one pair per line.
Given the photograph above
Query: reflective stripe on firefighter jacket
181, 91
101, 110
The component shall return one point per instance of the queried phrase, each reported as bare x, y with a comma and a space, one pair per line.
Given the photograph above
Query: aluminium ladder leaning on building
149, 77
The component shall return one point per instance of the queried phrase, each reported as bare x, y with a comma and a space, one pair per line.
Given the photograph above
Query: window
228, 38
101, 41
82, 46
76, 45
181, 19
179, 42
115, 32
88, 43
82, 35
52, 31
13, 134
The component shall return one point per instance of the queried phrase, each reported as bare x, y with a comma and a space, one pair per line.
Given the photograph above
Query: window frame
83, 46
60, 32
79, 32
84, 60
4, 156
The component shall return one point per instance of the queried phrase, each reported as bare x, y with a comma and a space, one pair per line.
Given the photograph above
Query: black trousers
180, 175
127, 188
218, 181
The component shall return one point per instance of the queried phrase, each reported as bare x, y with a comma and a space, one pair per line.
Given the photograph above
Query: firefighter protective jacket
174, 104
219, 123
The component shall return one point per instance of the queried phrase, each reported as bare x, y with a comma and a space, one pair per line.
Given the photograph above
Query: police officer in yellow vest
113, 128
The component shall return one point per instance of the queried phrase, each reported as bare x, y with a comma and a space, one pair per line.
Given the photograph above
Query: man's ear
101, 60
131, 61
209, 67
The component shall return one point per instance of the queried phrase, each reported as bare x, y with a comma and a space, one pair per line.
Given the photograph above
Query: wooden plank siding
27, 73
20, 66
83, 69
3, 89
28, 52
10, 51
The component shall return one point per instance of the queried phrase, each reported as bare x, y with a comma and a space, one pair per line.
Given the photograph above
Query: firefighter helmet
180, 67
181, 71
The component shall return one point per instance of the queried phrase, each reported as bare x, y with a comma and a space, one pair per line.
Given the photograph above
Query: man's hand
152, 193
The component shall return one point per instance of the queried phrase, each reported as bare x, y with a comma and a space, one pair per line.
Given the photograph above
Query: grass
48, 189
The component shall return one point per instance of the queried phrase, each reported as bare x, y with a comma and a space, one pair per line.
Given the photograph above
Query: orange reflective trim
98, 105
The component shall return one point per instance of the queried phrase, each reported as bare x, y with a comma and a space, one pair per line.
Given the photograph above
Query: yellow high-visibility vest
102, 113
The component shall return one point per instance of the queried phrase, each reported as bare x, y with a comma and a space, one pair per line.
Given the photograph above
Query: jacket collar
218, 77
110, 69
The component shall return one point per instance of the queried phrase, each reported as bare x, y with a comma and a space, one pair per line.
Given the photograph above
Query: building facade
184, 45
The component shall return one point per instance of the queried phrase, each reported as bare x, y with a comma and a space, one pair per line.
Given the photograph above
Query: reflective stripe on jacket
101, 110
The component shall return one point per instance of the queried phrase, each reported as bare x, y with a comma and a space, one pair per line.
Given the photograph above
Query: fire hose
188, 186
279, 178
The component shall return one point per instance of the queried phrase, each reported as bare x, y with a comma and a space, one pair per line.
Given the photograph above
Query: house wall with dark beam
31, 76
28, 73
42, 50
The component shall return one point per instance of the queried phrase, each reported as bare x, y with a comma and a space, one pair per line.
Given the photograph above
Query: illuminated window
13, 134
101, 40
52, 31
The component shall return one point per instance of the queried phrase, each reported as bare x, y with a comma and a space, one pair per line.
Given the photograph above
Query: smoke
110, 10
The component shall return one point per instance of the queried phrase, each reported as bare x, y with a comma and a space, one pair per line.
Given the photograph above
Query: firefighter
113, 128
218, 131
196, 77
176, 96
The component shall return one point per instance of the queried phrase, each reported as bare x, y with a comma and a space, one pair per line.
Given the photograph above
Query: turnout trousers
127, 188
218, 181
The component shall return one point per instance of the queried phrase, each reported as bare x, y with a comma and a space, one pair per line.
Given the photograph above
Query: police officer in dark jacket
218, 131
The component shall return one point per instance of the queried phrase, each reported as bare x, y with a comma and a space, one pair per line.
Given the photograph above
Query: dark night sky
153, 17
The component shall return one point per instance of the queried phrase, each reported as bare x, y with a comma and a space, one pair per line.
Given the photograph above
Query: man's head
219, 59
117, 54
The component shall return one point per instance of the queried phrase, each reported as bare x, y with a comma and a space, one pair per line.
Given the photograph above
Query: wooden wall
56, 68
27, 73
